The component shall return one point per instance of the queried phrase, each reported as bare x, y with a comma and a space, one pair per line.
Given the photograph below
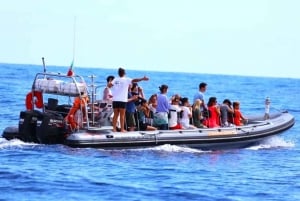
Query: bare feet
123, 131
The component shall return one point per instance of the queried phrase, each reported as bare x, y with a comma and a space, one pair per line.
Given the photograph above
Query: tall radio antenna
74, 37
70, 71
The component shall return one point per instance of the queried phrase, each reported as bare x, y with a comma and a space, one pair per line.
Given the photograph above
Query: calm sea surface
269, 171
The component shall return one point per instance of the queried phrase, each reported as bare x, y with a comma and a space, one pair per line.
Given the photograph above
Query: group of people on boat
131, 110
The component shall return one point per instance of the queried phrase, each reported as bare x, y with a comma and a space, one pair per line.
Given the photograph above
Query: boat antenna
74, 37
44, 66
70, 71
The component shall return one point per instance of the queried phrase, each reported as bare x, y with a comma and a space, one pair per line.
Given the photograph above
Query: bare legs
122, 119
115, 118
119, 112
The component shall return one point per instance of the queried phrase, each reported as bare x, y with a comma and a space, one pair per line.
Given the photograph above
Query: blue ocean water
269, 171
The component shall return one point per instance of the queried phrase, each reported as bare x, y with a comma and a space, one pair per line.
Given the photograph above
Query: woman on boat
173, 113
214, 113
197, 114
162, 109
145, 120
153, 103
186, 114
137, 90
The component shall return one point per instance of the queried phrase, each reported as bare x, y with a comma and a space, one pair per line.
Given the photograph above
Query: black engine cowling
27, 125
50, 129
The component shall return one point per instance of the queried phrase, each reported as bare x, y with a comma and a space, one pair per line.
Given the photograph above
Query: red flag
70, 71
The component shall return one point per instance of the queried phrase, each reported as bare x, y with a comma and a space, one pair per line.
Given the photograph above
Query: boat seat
51, 104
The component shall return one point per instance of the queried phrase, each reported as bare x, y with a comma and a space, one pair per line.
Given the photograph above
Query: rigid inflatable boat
63, 109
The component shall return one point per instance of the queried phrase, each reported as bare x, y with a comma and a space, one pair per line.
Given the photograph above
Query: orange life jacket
77, 105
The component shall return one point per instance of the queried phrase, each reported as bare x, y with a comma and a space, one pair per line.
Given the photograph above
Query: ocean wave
13, 143
273, 142
175, 148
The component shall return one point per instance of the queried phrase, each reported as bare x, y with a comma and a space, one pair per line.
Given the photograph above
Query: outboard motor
27, 125
50, 129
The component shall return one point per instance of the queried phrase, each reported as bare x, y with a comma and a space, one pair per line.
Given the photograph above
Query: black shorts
119, 104
143, 126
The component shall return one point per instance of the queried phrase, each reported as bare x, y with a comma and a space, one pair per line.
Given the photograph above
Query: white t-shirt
185, 120
173, 115
120, 88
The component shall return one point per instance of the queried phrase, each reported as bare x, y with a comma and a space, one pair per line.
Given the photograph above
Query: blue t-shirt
163, 104
199, 95
130, 106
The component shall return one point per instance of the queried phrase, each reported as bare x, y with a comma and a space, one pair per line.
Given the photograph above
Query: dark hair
163, 87
176, 98
110, 78
211, 100
184, 100
152, 96
134, 85
227, 101
121, 72
143, 101
202, 85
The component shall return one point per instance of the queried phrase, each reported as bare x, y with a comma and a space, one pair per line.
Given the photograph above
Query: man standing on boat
120, 96
200, 93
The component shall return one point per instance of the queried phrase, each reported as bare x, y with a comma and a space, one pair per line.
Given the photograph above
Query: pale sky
239, 37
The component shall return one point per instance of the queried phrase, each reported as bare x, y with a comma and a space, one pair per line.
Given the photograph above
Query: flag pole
74, 37
44, 66
70, 71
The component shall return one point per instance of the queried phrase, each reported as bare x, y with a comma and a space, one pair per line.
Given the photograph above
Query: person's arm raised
140, 79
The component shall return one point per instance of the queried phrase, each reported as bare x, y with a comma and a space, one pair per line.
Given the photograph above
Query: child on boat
238, 118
